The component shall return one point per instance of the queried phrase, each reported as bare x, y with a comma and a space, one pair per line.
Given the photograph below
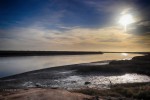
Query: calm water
15, 65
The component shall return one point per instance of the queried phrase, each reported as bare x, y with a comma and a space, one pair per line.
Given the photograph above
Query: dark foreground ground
128, 91
134, 91
42, 94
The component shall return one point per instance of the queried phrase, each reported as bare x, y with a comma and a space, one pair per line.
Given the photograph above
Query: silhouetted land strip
52, 53
128, 52
44, 53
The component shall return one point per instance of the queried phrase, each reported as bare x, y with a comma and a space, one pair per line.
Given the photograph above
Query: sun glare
124, 54
125, 20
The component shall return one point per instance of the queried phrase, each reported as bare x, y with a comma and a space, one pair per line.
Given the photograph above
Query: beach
96, 76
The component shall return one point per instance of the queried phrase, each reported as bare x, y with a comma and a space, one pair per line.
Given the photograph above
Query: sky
74, 25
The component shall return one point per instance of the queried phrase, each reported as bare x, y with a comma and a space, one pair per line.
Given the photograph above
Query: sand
41, 94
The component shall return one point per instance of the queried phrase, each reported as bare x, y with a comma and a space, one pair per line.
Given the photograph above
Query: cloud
111, 5
140, 28
101, 39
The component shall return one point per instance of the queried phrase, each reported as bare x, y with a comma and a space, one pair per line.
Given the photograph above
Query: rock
38, 85
86, 83
73, 81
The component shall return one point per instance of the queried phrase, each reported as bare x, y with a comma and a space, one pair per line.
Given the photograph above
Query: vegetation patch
135, 90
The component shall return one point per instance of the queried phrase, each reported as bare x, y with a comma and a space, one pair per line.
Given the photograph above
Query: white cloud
105, 39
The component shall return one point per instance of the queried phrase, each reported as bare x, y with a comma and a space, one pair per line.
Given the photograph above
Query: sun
125, 20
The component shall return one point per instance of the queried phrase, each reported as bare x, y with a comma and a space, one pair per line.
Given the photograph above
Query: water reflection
15, 65
124, 54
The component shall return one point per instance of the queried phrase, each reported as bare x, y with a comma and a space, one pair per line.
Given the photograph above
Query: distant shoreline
44, 53
13, 53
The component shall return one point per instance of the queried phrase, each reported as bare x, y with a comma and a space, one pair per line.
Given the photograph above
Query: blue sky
65, 12
73, 25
